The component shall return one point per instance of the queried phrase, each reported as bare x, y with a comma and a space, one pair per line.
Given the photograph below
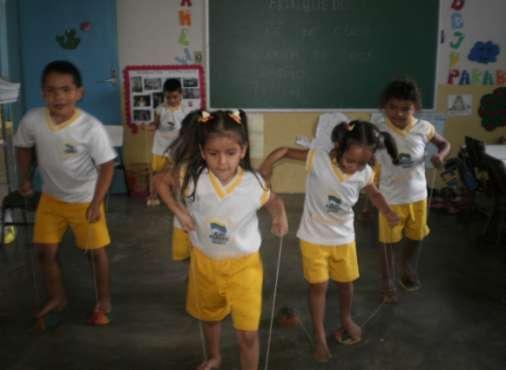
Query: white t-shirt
330, 196
226, 216
170, 124
405, 183
68, 153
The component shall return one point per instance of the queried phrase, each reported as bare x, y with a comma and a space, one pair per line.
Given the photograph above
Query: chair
496, 171
15, 201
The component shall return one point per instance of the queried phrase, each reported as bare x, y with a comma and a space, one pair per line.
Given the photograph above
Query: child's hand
279, 225
186, 220
149, 127
93, 212
437, 161
392, 218
26, 189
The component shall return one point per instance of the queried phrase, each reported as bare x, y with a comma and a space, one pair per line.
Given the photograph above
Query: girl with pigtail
326, 231
215, 194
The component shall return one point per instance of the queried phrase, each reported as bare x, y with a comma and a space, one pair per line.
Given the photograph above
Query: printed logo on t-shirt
219, 232
334, 204
405, 160
68, 149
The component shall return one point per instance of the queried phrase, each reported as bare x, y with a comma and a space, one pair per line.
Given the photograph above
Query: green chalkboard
318, 54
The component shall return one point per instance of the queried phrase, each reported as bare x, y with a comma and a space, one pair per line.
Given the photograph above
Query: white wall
148, 31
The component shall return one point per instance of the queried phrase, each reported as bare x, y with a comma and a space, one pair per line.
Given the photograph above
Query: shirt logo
219, 233
334, 204
405, 160
68, 149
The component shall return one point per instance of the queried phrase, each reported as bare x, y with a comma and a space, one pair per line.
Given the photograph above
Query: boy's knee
247, 339
319, 288
47, 252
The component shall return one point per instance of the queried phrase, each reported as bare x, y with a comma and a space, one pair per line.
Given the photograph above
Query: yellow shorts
413, 223
53, 217
159, 162
217, 288
321, 262
181, 244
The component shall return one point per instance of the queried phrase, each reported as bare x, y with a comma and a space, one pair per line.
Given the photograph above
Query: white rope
273, 309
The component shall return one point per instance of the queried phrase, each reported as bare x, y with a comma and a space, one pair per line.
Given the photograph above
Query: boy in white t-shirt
404, 186
166, 125
75, 158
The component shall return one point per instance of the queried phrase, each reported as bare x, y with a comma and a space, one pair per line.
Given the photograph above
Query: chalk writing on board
313, 5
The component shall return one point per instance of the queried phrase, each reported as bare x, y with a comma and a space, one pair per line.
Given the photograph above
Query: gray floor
457, 321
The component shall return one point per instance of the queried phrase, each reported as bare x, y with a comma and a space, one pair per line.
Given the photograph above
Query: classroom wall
148, 35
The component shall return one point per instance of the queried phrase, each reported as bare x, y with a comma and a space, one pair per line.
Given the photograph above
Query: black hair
364, 133
402, 89
62, 67
197, 127
172, 84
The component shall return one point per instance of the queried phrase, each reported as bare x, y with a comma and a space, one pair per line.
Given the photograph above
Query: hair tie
204, 117
350, 126
236, 116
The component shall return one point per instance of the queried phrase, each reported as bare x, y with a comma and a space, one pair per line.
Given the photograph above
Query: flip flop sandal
99, 318
409, 285
342, 337
50, 321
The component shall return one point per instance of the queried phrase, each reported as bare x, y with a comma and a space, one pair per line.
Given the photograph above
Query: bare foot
389, 296
321, 352
349, 333
103, 306
212, 363
56, 305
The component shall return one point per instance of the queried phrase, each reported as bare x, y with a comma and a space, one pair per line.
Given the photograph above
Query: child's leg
388, 272
317, 300
48, 260
212, 334
100, 264
409, 263
249, 349
345, 301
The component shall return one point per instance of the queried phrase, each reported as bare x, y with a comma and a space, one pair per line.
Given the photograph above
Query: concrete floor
457, 321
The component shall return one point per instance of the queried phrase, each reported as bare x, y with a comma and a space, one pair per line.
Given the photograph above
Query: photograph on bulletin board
144, 89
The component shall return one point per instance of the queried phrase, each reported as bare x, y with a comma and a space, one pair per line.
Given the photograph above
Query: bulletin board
144, 89
318, 54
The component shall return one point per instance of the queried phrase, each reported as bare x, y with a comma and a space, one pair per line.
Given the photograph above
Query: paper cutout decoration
186, 59
484, 52
85, 26
185, 18
457, 4
464, 78
457, 21
492, 110
459, 105
68, 40
183, 38
454, 58
187, 3
454, 73
459, 38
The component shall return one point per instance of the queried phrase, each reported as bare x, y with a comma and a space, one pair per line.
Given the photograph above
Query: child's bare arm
25, 163
152, 126
443, 149
105, 174
276, 155
381, 204
276, 208
167, 186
